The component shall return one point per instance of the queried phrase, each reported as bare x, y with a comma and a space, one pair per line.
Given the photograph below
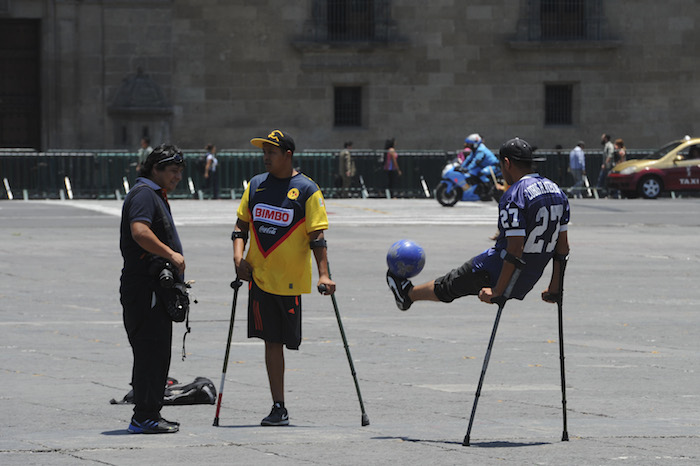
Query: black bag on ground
129, 397
201, 391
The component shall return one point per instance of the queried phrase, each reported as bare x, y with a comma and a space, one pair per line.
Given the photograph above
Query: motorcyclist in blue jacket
481, 160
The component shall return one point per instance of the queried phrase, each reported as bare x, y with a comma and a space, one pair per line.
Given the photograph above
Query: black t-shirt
141, 205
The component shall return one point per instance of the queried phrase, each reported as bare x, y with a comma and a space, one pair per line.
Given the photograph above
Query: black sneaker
149, 426
400, 287
277, 417
162, 419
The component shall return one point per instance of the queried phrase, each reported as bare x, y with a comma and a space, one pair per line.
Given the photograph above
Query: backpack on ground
201, 391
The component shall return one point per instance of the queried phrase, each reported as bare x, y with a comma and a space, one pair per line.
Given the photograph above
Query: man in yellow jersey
284, 214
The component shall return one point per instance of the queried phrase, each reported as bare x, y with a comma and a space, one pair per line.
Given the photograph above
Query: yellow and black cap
276, 138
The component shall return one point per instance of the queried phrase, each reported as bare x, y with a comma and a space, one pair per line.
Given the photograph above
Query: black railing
101, 174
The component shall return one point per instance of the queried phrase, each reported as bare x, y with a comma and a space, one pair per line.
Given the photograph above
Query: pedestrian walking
577, 165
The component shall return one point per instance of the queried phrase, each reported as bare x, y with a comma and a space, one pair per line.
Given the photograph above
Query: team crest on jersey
272, 214
293, 194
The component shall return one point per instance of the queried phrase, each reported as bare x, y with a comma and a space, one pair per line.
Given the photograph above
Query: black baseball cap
518, 149
276, 138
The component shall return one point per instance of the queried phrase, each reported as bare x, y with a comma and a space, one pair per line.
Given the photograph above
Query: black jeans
459, 282
212, 184
150, 333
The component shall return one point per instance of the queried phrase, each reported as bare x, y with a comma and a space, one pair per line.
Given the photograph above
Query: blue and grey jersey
536, 209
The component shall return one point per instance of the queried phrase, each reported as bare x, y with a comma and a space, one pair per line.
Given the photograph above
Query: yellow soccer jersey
281, 213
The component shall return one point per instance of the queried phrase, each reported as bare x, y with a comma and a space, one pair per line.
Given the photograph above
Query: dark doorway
20, 114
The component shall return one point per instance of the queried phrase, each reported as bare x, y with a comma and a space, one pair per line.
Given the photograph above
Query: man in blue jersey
284, 214
532, 228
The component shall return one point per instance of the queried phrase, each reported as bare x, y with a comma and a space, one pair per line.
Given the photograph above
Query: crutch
501, 301
236, 284
562, 267
365, 418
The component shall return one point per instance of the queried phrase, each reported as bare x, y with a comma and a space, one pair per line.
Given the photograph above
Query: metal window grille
348, 106
351, 20
563, 19
566, 20
558, 104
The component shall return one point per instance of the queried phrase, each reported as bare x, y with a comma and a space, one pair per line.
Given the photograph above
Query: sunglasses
177, 158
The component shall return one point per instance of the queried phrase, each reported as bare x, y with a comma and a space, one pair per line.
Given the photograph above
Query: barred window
348, 106
558, 104
563, 20
350, 20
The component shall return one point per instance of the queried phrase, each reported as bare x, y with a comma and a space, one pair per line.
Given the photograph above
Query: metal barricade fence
101, 174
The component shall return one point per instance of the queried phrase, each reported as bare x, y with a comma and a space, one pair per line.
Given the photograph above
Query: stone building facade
102, 73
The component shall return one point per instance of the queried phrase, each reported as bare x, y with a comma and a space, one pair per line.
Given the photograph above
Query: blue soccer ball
405, 258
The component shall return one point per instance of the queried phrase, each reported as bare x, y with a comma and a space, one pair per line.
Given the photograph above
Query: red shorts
274, 318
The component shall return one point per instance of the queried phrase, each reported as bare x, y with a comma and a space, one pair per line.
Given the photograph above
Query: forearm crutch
562, 259
236, 284
501, 301
365, 418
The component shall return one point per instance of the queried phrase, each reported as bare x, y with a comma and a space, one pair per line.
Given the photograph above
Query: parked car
673, 167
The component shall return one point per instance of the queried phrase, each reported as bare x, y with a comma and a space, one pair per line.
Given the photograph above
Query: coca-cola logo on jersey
267, 230
273, 215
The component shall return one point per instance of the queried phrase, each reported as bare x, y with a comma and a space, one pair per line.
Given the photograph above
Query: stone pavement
632, 335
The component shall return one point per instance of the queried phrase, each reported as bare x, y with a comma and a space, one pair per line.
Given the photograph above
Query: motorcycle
454, 186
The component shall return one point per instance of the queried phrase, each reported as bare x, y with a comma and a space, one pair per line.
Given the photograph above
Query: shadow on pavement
116, 432
480, 445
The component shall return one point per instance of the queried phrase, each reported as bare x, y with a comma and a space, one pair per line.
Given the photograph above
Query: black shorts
463, 281
274, 318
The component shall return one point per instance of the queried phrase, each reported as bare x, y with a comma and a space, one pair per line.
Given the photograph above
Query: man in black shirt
146, 235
